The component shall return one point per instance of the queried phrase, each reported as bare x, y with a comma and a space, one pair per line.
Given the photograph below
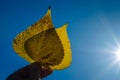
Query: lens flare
117, 54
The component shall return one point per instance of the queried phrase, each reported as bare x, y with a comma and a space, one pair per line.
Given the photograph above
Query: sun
117, 54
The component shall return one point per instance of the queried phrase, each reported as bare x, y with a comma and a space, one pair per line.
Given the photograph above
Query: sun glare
117, 54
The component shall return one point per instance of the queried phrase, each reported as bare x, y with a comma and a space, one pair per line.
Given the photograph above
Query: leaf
43, 43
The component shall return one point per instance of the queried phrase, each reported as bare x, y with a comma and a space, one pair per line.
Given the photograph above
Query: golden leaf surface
43, 43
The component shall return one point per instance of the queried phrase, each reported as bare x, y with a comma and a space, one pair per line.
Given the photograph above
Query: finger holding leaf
45, 47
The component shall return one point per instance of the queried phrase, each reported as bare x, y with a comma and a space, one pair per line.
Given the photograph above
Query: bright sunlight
117, 54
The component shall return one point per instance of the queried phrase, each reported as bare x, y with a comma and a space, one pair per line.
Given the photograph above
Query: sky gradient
93, 30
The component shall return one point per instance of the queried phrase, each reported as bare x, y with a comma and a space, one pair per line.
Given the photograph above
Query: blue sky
94, 28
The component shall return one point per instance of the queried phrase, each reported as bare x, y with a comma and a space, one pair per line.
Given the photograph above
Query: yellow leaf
66, 46
42, 43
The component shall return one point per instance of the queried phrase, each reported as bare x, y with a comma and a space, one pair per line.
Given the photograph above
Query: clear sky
94, 33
